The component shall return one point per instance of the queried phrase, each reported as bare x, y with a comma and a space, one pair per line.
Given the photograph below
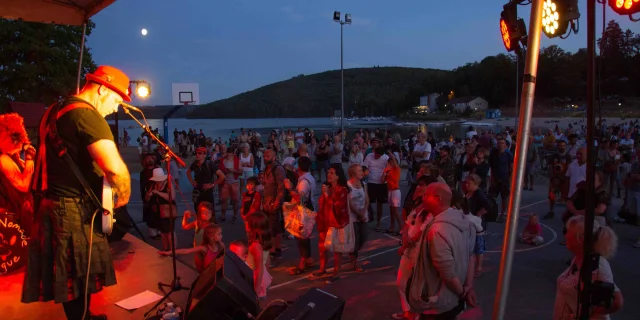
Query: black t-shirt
204, 173
78, 129
392, 147
323, 156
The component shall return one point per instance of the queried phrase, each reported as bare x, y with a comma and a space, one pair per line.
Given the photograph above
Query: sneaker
333, 279
619, 220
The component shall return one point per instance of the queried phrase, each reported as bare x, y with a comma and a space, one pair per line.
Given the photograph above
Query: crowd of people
456, 188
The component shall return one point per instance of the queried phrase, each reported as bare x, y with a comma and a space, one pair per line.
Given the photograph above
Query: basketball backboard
185, 93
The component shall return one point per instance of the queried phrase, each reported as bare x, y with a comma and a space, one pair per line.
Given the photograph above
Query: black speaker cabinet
326, 307
224, 291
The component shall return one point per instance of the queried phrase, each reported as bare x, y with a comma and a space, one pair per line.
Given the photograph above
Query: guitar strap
61, 150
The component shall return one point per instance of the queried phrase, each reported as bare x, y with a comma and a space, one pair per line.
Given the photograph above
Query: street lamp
347, 20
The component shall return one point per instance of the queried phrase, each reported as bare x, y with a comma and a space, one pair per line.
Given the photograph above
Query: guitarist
58, 260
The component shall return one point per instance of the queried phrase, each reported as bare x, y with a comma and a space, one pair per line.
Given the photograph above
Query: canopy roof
69, 12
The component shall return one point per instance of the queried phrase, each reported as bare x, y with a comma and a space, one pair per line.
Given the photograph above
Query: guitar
108, 219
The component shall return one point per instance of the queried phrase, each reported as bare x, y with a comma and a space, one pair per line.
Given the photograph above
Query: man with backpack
302, 192
442, 280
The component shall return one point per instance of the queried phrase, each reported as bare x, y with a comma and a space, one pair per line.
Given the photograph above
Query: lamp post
347, 20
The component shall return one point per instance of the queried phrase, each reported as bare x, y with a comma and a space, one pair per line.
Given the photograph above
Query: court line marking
395, 248
554, 238
331, 269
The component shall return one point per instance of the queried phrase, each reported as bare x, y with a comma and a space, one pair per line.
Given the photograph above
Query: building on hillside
429, 100
475, 103
421, 109
493, 114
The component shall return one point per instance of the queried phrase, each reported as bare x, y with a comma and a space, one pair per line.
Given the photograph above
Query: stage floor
138, 268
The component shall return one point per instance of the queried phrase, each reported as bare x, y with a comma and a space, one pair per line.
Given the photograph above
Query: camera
602, 293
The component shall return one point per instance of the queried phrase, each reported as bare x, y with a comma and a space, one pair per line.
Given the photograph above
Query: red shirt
533, 229
334, 211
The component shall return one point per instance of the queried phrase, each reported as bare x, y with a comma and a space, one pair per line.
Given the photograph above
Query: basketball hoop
186, 103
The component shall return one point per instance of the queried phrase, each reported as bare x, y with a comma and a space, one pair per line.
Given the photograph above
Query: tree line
38, 63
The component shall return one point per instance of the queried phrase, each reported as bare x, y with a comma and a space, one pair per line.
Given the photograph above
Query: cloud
292, 14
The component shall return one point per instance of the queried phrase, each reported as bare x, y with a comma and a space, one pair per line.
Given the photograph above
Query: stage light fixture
556, 16
143, 90
336, 16
625, 7
512, 29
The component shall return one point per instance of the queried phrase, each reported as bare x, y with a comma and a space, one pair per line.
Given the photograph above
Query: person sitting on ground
532, 233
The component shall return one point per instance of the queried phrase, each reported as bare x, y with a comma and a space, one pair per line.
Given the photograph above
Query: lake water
222, 127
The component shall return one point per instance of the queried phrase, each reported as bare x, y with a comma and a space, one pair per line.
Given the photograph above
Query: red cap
113, 79
201, 149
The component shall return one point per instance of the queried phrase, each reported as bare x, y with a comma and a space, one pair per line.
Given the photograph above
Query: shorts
165, 225
480, 246
499, 187
247, 174
394, 197
377, 192
275, 221
230, 190
556, 186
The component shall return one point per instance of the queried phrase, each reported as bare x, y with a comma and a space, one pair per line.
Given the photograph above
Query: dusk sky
232, 46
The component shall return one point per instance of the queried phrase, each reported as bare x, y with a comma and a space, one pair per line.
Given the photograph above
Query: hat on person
201, 150
289, 161
111, 78
158, 175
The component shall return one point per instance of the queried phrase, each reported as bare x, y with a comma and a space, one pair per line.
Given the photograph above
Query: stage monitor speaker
316, 304
224, 292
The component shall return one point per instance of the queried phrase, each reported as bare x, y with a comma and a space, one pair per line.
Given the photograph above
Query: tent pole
84, 32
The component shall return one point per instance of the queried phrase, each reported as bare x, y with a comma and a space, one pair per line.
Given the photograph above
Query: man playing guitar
59, 262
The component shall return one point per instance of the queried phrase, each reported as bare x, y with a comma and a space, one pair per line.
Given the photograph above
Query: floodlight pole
84, 32
517, 177
341, 81
589, 260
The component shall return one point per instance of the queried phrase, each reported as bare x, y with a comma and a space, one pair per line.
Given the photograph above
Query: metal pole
517, 90
517, 177
588, 263
84, 32
342, 84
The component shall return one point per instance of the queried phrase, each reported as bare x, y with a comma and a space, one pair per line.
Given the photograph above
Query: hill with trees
385, 91
38, 64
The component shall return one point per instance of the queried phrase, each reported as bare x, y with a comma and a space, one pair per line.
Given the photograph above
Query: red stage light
506, 38
625, 7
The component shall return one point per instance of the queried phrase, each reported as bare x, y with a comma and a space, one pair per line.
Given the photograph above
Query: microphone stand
175, 284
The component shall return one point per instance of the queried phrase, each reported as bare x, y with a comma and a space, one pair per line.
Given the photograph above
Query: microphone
130, 107
305, 311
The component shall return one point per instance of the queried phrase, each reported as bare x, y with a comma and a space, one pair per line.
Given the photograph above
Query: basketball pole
517, 176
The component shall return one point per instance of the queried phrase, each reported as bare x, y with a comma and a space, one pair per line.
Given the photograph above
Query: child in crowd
240, 248
204, 217
260, 242
251, 200
532, 233
210, 249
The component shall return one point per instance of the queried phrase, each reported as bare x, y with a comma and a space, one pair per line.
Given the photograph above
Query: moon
144, 32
